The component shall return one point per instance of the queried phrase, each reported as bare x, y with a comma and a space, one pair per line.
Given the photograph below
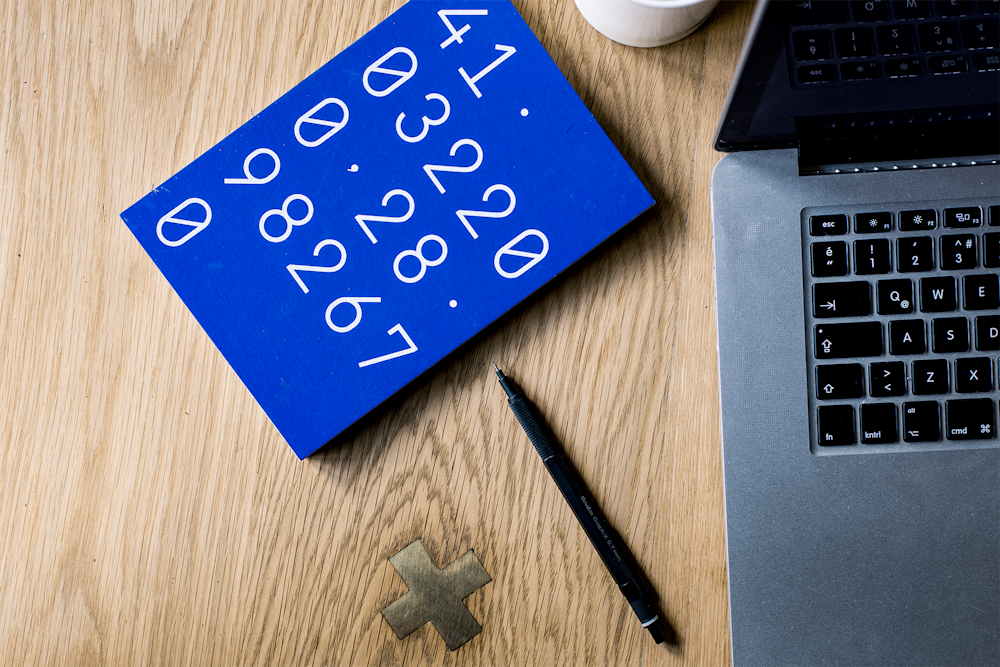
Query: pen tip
495, 366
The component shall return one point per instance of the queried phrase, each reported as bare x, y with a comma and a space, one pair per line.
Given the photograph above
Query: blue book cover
385, 210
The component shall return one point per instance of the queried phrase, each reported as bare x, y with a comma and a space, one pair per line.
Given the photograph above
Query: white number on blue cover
464, 215
410, 348
295, 268
289, 220
427, 121
431, 168
355, 301
194, 225
419, 255
362, 219
534, 257
456, 35
402, 77
256, 180
508, 51
335, 126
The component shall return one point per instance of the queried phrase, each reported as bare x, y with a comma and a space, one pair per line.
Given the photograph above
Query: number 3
427, 121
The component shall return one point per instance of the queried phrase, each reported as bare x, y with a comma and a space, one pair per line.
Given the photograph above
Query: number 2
362, 219
464, 215
410, 348
431, 168
295, 268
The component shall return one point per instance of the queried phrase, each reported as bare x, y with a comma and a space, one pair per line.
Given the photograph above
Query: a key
817, 12
973, 375
987, 336
930, 376
828, 225
854, 42
908, 10
836, 381
971, 419
904, 67
887, 378
982, 292
981, 34
991, 250
895, 40
921, 421
811, 44
938, 36
967, 216
949, 8
829, 258
836, 425
915, 253
950, 334
871, 223
958, 251
937, 295
878, 423
872, 256
907, 337
895, 297
842, 299
917, 221
868, 11
856, 339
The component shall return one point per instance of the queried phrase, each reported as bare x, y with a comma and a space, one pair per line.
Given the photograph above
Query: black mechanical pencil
611, 549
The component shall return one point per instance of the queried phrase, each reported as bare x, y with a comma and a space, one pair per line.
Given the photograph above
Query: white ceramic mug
646, 22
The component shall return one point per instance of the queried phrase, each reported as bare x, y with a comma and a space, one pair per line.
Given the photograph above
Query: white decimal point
355, 301
410, 348
418, 254
456, 35
289, 220
256, 180
427, 121
308, 119
295, 268
508, 51
194, 225
534, 257
402, 77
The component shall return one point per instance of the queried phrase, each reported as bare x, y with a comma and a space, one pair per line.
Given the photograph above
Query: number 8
289, 220
419, 254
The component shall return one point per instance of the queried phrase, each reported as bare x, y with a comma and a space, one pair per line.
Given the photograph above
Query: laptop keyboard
836, 40
902, 316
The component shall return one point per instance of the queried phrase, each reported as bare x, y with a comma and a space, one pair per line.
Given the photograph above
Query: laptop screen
850, 82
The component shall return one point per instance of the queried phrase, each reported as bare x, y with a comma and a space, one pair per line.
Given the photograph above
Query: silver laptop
856, 224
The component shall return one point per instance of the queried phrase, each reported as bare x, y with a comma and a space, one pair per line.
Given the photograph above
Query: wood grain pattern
151, 515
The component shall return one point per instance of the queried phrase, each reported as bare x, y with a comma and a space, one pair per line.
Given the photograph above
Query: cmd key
971, 419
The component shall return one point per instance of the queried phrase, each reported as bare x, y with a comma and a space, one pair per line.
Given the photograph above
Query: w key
842, 299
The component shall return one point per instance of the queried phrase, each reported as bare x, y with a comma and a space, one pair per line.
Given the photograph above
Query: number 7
392, 355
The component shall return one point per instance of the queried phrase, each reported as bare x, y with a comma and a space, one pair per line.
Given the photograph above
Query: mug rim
669, 4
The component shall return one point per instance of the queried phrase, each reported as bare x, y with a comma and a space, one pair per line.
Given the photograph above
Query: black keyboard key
949, 8
971, 419
917, 221
939, 36
895, 40
860, 71
973, 375
842, 299
986, 62
836, 425
981, 34
887, 378
950, 334
937, 294
816, 73
930, 376
840, 381
907, 337
982, 292
811, 44
921, 421
903, 67
967, 216
878, 424
989, 6
817, 12
854, 42
873, 223
987, 334
994, 216
895, 297
828, 225
908, 10
868, 11
872, 256
856, 339
991, 250
948, 64
829, 258
958, 251
915, 253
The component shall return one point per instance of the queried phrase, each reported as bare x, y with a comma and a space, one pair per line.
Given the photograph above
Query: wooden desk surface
150, 513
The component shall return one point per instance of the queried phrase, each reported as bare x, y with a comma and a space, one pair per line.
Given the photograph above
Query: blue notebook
385, 210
